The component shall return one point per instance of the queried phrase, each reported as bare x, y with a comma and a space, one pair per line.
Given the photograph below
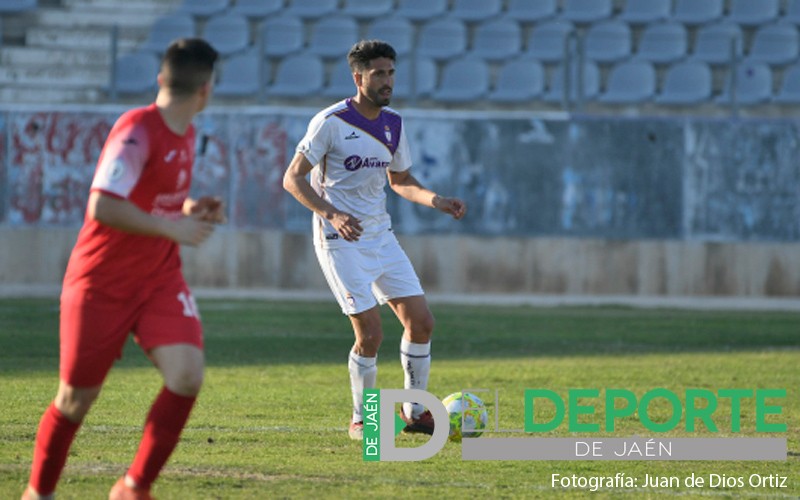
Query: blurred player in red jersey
124, 275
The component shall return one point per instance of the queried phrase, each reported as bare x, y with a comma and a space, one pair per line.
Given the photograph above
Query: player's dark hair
187, 65
365, 51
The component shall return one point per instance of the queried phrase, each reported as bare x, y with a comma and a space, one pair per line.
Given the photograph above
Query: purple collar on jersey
385, 128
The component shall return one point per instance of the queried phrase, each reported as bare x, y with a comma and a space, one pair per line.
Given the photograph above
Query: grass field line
20, 290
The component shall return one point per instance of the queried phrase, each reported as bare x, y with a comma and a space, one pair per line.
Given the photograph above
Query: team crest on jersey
182, 175
351, 301
388, 133
117, 170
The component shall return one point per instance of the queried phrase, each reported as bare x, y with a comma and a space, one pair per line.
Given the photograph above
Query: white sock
363, 373
416, 361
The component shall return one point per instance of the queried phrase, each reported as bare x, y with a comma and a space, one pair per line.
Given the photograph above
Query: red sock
53, 440
162, 429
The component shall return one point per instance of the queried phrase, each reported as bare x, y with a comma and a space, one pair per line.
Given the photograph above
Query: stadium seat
753, 84
475, 10
775, 44
608, 41
463, 80
694, 12
497, 39
589, 90
547, 40
136, 73
257, 9
228, 33
714, 43
442, 38
17, 6
630, 82
789, 93
753, 12
421, 10
340, 84
282, 35
298, 75
203, 8
791, 12
645, 11
519, 80
686, 83
311, 9
367, 9
586, 11
396, 30
240, 75
422, 70
333, 36
526, 11
662, 42
167, 28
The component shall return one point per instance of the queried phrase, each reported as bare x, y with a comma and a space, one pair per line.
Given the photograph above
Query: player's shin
363, 374
416, 361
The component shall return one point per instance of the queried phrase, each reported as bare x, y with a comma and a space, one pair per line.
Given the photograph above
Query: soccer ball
468, 417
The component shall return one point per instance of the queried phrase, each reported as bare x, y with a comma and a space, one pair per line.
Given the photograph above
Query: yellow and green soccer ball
468, 417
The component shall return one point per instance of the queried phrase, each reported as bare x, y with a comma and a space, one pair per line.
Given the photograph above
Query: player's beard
376, 97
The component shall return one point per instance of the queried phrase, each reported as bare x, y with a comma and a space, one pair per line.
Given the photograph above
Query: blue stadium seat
257, 9
630, 82
589, 90
547, 40
686, 83
228, 33
423, 73
586, 11
311, 9
789, 92
519, 80
753, 12
475, 10
17, 6
645, 11
777, 43
396, 30
136, 72
421, 10
526, 11
791, 12
167, 28
340, 84
463, 80
753, 84
298, 75
714, 43
282, 35
497, 39
367, 9
204, 8
694, 12
442, 38
663, 42
242, 75
608, 41
333, 36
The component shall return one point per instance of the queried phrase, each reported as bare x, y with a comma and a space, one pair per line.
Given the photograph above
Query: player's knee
370, 342
74, 403
185, 382
421, 328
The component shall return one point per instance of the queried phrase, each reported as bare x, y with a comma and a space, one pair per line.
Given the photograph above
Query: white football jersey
350, 154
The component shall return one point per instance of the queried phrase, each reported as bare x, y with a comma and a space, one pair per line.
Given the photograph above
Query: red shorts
94, 330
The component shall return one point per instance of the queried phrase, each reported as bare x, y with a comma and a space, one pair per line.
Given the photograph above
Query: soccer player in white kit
350, 149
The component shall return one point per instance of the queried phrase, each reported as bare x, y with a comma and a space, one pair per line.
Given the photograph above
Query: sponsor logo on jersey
130, 140
332, 236
117, 170
355, 162
352, 135
170, 156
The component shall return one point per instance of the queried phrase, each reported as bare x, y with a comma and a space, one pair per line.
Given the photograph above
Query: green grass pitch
272, 417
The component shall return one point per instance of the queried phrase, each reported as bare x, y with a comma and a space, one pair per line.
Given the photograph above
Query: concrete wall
458, 264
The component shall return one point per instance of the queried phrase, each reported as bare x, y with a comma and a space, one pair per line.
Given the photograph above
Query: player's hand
453, 206
191, 230
346, 225
209, 209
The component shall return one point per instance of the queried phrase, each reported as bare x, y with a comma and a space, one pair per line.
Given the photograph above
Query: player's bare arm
125, 216
296, 183
407, 186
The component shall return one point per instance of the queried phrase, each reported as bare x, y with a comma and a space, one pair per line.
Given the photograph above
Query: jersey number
189, 305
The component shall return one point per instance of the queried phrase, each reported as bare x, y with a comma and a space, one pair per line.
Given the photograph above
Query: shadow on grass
258, 332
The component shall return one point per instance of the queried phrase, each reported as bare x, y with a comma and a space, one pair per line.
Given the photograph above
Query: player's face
377, 81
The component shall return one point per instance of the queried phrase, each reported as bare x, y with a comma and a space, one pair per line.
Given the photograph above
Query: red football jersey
146, 163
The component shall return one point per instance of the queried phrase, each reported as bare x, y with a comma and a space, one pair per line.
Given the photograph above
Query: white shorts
360, 278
